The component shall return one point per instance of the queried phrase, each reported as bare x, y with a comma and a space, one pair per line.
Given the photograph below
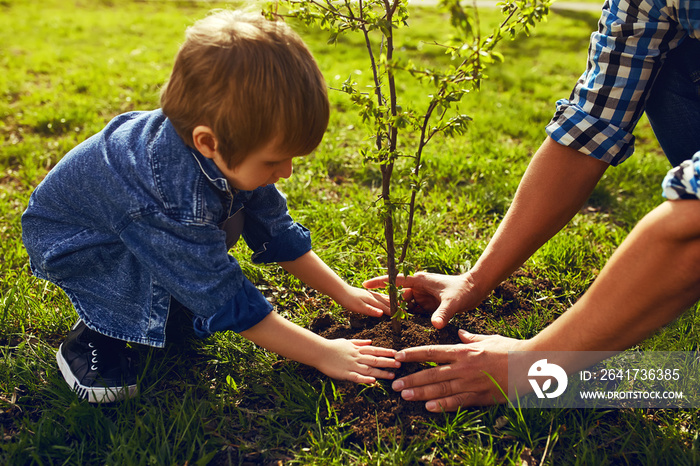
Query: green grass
68, 67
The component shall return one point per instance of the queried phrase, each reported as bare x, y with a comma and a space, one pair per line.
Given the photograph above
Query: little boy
136, 222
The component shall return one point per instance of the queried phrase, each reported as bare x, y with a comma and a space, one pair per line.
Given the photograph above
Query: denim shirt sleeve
269, 229
191, 262
245, 310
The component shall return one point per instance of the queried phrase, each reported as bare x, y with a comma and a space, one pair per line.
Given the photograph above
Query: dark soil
382, 410
380, 407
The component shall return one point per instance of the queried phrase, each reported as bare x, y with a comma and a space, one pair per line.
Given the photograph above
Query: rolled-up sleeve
682, 182
624, 58
245, 310
269, 229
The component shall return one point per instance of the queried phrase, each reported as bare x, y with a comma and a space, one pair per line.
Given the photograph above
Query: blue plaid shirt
624, 58
683, 181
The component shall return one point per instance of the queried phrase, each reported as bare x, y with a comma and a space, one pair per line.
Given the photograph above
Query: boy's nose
286, 169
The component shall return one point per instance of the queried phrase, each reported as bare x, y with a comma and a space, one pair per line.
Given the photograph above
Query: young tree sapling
388, 116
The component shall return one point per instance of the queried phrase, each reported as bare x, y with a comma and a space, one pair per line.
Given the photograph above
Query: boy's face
260, 168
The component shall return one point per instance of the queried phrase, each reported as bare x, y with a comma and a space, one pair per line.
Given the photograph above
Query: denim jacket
128, 224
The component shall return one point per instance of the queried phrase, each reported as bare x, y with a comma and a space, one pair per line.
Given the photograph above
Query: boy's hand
356, 361
364, 302
311, 270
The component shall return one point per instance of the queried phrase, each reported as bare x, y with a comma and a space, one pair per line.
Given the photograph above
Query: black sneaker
95, 366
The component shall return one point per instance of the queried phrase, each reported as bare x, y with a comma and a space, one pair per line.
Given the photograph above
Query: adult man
645, 56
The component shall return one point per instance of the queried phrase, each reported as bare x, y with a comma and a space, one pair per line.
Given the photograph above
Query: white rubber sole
93, 394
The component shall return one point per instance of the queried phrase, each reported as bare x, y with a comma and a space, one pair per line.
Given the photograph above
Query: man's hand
460, 379
444, 295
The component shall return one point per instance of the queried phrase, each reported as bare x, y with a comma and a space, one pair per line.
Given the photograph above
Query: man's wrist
476, 290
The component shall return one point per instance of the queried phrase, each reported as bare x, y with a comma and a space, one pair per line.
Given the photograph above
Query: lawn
68, 67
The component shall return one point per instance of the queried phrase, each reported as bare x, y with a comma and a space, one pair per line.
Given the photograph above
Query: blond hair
252, 81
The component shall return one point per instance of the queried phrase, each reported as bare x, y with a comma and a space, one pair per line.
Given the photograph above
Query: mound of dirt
378, 409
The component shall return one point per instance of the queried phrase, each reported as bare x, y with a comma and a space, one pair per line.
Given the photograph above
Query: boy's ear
205, 141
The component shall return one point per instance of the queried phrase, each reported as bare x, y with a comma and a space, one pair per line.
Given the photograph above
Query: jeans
673, 107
